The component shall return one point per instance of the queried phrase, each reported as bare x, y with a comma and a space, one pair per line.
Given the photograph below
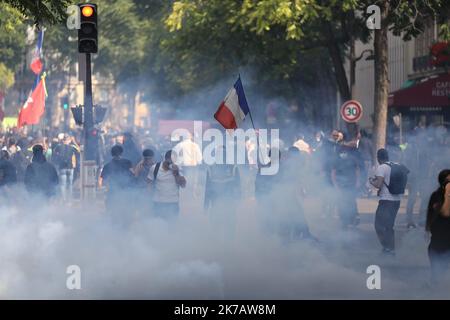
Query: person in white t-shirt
166, 180
189, 157
189, 152
388, 204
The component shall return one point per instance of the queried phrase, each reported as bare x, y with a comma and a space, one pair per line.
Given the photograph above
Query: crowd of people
146, 178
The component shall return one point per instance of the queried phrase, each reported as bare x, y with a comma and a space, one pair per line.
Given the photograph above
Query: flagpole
253, 125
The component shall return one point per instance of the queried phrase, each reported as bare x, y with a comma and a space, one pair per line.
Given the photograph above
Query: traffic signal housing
88, 33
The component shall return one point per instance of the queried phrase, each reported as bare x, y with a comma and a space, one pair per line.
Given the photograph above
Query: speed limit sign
351, 111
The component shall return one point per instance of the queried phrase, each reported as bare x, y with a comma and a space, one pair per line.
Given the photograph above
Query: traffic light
77, 113
88, 34
65, 102
94, 133
99, 113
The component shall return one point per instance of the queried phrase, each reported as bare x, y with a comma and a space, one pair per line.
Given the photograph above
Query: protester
290, 195
8, 173
141, 171
130, 149
166, 180
346, 180
438, 224
41, 177
117, 176
17, 157
189, 158
317, 143
64, 158
388, 204
302, 145
222, 192
143, 168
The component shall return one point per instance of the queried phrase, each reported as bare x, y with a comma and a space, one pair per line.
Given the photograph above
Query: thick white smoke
193, 259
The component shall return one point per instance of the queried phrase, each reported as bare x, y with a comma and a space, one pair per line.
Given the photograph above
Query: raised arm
445, 210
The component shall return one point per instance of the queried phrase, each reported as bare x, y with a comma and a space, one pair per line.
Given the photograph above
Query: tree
12, 41
335, 24
41, 11
6, 78
274, 36
407, 19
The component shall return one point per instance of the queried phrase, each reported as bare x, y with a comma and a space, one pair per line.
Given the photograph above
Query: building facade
409, 67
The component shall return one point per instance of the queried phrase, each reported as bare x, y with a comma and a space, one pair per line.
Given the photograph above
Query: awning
427, 94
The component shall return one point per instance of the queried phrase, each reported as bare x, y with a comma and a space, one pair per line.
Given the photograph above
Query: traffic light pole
90, 143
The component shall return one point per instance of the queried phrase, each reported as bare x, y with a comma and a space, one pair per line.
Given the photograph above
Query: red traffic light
87, 11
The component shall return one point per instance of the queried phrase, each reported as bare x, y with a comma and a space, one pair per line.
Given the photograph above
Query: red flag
36, 61
36, 65
34, 107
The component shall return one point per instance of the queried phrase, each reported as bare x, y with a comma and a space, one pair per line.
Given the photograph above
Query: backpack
398, 178
155, 171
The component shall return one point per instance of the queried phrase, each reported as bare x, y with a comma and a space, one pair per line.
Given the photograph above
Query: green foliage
6, 78
186, 44
444, 32
12, 36
41, 11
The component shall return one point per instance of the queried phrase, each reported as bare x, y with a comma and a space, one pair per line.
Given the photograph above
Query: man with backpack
63, 156
390, 179
166, 180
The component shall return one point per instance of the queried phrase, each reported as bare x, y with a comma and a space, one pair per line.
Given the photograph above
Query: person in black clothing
8, 173
17, 158
130, 149
345, 177
438, 224
63, 156
40, 176
117, 176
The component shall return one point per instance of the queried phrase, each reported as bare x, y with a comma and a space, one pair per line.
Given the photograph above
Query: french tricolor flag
234, 108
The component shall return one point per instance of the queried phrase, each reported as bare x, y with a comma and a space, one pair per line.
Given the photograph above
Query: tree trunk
341, 77
338, 64
381, 80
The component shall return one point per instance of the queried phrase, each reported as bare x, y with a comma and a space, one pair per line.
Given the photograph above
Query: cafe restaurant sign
430, 93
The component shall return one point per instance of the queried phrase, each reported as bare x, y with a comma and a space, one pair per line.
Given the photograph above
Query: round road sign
351, 111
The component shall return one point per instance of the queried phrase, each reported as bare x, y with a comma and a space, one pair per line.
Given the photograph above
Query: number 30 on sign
351, 111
